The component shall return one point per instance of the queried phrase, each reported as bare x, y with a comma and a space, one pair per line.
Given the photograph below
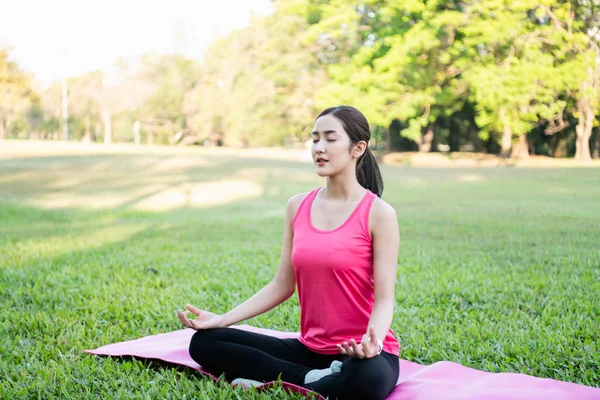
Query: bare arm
284, 284
386, 241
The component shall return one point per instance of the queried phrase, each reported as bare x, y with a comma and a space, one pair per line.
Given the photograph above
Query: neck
343, 186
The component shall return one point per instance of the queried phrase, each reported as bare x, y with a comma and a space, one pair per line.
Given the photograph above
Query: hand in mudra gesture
203, 320
369, 347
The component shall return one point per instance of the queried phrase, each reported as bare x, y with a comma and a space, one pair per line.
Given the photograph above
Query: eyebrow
325, 132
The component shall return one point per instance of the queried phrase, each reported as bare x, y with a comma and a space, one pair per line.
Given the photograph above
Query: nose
320, 146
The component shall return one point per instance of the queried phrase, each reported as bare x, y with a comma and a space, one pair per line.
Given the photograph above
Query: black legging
242, 354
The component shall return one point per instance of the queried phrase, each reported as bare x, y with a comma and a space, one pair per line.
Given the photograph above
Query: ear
359, 149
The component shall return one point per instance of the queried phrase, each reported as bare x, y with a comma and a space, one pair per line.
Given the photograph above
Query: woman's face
331, 144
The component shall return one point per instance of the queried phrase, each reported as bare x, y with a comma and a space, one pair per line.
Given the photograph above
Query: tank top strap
363, 213
303, 212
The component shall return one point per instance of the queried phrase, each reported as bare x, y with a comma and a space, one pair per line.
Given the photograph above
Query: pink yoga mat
441, 380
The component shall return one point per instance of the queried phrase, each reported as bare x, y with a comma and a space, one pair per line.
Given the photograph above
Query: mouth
321, 161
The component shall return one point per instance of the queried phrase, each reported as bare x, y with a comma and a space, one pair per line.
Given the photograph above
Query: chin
324, 172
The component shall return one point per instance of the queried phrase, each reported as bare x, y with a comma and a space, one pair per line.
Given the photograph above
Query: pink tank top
334, 274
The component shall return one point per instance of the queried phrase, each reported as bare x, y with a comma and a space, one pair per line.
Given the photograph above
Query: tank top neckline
309, 212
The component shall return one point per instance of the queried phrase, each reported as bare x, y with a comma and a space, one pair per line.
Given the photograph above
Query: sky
52, 38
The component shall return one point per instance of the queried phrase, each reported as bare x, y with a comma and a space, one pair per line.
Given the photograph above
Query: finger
371, 350
195, 324
193, 309
348, 349
183, 319
182, 314
367, 346
192, 323
341, 349
189, 323
357, 349
366, 340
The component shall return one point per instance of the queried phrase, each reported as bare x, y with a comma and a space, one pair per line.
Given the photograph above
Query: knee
201, 343
365, 382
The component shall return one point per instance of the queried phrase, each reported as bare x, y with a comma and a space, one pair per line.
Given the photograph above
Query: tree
573, 30
167, 80
258, 85
84, 96
582, 27
15, 91
395, 60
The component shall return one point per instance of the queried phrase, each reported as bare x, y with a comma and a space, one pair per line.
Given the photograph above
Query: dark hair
357, 127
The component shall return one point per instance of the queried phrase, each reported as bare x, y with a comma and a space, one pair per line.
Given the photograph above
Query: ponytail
368, 174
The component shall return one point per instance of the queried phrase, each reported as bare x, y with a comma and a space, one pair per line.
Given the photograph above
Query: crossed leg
242, 354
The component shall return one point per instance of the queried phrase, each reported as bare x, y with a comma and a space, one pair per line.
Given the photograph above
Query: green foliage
258, 85
424, 59
16, 93
403, 67
175, 76
516, 66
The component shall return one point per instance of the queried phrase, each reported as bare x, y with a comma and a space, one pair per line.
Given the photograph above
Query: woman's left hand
367, 348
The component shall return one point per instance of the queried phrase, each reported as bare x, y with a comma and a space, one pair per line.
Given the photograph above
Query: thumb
193, 309
373, 335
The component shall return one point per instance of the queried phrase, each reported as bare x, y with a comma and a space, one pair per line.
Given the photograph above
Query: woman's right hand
203, 320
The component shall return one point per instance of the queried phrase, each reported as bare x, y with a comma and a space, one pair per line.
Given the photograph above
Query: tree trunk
506, 142
584, 131
521, 148
107, 126
475, 140
88, 135
506, 136
553, 144
5, 126
150, 136
597, 144
454, 138
426, 140
388, 139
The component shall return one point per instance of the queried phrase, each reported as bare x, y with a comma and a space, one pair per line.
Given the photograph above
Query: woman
341, 250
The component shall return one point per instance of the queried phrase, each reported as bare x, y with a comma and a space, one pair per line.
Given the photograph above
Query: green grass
499, 268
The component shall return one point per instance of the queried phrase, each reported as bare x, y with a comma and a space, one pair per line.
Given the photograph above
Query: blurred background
511, 79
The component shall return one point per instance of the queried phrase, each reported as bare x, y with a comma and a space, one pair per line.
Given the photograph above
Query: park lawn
499, 268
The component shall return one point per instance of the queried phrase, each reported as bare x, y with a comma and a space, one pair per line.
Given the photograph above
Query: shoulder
294, 202
297, 199
380, 210
382, 216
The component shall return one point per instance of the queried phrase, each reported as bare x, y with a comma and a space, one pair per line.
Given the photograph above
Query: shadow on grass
125, 181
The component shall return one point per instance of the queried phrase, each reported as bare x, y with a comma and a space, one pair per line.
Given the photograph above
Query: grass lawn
499, 268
